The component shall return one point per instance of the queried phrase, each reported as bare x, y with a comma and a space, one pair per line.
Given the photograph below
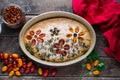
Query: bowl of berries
57, 38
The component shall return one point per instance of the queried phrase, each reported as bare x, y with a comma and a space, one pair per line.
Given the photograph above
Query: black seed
51, 30
35, 36
75, 35
52, 34
55, 28
58, 30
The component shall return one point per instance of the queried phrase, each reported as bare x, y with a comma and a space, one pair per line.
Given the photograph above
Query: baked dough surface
57, 39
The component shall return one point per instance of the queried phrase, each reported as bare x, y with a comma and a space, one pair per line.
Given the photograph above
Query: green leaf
83, 65
100, 67
80, 76
94, 55
90, 72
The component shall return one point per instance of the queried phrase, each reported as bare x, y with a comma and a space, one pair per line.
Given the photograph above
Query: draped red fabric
105, 14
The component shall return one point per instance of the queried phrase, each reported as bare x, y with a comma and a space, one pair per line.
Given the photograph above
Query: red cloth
106, 14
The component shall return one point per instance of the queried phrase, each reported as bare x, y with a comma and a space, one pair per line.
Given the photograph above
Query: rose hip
45, 72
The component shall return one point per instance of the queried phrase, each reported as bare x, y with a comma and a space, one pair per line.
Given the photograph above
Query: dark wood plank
40, 6
59, 78
9, 43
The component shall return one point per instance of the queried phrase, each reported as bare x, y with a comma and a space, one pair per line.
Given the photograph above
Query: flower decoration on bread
75, 34
35, 36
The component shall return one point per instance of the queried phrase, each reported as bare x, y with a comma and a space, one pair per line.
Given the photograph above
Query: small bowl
54, 14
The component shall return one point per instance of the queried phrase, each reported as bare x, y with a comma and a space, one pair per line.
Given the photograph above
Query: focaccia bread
57, 39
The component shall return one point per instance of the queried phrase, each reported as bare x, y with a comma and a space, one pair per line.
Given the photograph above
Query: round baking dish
54, 14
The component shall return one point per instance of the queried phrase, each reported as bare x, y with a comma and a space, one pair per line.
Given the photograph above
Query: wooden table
9, 42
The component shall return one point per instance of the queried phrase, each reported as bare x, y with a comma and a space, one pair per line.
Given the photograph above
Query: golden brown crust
57, 39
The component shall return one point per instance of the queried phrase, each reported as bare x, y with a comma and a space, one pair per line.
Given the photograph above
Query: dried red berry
28, 37
40, 40
46, 72
56, 45
61, 41
66, 47
33, 42
58, 51
63, 53
42, 35
31, 33
38, 32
